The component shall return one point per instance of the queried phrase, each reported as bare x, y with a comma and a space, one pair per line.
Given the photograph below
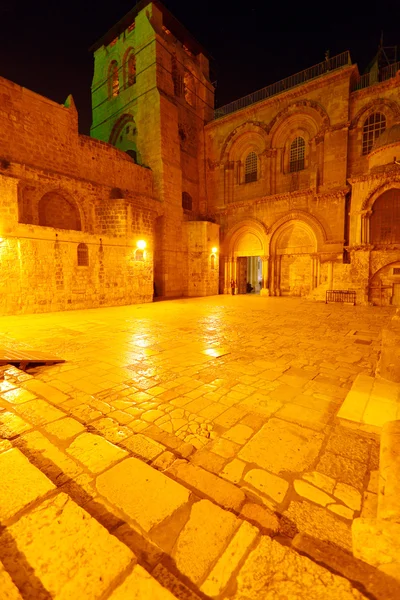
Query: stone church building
293, 190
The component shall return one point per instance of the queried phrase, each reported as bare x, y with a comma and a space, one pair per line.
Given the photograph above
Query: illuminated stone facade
292, 192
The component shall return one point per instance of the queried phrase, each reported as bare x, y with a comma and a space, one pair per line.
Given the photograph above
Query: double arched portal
281, 261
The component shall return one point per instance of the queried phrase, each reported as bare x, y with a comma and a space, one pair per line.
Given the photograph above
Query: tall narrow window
83, 255
176, 77
113, 80
187, 201
297, 153
189, 89
129, 68
250, 168
373, 127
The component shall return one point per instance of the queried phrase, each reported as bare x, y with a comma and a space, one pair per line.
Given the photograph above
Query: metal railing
348, 296
330, 64
369, 79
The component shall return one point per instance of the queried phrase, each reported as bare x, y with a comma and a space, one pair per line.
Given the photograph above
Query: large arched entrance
293, 260
245, 252
384, 286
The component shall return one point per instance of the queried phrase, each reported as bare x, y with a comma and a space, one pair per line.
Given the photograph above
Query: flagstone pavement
234, 398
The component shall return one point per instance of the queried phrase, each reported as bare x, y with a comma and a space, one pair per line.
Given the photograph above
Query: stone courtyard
194, 434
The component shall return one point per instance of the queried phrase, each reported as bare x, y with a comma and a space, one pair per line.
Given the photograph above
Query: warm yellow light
1, 240
214, 250
141, 244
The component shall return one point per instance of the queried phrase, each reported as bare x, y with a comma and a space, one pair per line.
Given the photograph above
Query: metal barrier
330, 64
347, 296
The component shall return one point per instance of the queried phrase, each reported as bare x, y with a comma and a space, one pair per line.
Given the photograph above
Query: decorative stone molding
376, 105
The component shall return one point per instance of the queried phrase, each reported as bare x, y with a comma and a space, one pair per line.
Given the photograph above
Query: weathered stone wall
203, 262
61, 190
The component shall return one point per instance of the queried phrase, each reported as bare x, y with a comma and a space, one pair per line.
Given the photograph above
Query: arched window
373, 127
83, 255
250, 168
113, 80
385, 218
129, 68
186, 201
297, 153
56, 211
189, 88
176, 77
139, 254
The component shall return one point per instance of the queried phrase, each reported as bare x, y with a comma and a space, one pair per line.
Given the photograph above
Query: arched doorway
293, 262
245, 250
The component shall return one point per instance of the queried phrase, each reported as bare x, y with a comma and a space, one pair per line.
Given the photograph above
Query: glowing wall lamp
214, 250
141, 244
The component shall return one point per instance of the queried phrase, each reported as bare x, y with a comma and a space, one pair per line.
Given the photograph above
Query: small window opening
83, 255
297, 154
250, 168
186, 201
373, 127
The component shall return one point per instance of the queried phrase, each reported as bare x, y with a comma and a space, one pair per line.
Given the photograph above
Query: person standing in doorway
233, 286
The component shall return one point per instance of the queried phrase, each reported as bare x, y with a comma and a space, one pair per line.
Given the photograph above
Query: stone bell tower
151, 97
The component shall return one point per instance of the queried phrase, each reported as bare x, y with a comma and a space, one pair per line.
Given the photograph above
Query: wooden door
242, 274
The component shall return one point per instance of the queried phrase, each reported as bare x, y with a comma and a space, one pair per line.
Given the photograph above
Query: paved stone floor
233, 398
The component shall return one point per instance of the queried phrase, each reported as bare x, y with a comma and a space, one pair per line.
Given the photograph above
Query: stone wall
61, 190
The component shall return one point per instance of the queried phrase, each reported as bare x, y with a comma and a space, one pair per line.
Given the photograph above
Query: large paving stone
20, 483
377, 542
59, 551
343, 469
219, 577
141, 492
95, 452
214, 487
280, 446
347, 443
12, 425
144, 447
203, 539
317, 522
139, 585
273, 572
45, 390
266, 483
39, 412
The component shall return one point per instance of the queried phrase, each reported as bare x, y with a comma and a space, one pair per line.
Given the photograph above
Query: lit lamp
141, 244
214, 250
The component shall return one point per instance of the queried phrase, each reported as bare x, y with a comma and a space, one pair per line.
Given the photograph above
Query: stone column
234, 273
272, 276
330, 275
227, 280
278, 267
265, 283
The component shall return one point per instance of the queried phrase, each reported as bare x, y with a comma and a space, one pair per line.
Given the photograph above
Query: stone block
377, 542
8, 590
144, 447
136, 489
12, 425
320, 481
311, 493
204, 483
39, 412
275, 571
94, 452
281, 446
238, 547
203, 539
239, 434
20, 483
18, 396
349, 495
45, 390
140, 585
64, 429
263, 518
66, 552
233, 471
48, 458
268, 484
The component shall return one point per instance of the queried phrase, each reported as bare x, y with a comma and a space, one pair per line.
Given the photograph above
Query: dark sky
44, 43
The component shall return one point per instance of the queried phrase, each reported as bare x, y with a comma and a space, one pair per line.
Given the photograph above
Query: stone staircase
83, 517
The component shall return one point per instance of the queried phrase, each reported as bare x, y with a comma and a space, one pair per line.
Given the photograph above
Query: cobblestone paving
234, 398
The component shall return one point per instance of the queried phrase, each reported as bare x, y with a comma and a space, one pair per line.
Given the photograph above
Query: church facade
293, 190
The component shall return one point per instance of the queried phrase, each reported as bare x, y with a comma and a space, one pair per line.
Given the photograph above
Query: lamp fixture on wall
141, 244
214, 250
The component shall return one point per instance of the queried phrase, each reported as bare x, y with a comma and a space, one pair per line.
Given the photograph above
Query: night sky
44, 43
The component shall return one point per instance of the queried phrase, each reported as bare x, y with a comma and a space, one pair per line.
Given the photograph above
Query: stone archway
384, 285
293, 259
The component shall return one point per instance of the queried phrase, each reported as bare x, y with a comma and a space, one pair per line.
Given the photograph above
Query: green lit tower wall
151, 96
